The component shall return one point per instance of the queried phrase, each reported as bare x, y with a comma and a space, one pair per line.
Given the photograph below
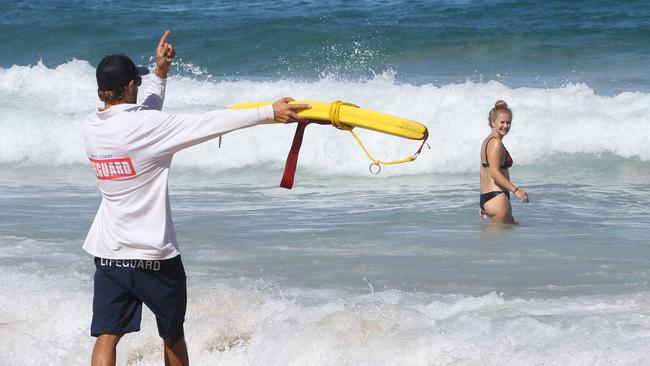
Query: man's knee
105, 350
178, 346
107, 340
176, 354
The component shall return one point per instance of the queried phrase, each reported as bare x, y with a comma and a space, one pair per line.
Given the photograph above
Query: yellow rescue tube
352, 116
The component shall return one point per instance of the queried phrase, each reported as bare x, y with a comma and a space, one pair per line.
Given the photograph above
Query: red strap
292, 158
424, 141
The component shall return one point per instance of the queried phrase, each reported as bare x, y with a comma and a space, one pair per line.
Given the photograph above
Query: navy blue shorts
122, 285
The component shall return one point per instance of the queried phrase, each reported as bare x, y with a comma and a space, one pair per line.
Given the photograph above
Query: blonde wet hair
499, 107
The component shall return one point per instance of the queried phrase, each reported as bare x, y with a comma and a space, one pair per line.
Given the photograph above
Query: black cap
116, 70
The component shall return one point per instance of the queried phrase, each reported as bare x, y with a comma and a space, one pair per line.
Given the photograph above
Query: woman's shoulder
492, 143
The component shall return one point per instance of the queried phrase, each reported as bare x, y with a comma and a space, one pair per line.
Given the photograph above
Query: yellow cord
379, 162
336, 122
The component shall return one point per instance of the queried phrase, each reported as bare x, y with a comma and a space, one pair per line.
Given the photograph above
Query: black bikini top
507, 164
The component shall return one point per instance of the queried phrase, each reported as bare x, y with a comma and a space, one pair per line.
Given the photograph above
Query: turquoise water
522, 43
348, 268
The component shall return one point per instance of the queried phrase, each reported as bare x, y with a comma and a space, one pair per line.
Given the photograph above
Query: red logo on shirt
107, 169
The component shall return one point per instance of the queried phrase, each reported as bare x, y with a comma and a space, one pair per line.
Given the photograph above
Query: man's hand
285, 112
165, 53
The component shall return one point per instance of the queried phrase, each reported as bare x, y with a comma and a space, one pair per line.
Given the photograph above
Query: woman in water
495, 161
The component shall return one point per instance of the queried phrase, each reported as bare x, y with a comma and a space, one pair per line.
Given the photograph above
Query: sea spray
547, 123
248, 323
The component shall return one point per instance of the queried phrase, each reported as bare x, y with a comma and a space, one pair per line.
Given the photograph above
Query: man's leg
164, 290
176, 355
116, 310
104, 351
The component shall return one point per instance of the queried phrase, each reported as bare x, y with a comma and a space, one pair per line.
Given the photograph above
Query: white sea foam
41, 111
44, 320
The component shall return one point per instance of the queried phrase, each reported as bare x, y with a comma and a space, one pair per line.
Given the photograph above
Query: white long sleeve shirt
130, 147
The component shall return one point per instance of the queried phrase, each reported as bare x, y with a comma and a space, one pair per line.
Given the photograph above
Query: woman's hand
521, 194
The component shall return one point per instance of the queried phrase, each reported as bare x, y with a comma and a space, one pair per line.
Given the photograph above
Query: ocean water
347, 268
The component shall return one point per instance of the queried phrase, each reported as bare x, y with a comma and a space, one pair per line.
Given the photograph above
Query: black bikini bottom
490, 195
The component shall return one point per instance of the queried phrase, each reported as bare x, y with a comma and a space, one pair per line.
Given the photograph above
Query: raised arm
165, 53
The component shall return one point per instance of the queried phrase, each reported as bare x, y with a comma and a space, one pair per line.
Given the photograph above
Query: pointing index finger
163, 39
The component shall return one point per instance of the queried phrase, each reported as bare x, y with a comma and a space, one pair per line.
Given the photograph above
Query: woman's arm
494, 152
